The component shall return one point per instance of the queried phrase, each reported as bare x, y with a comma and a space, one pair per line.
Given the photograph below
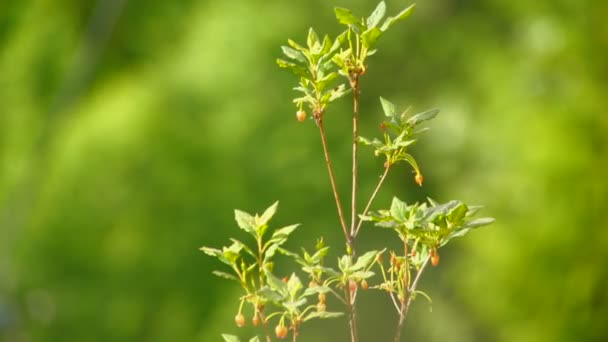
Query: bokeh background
131, 129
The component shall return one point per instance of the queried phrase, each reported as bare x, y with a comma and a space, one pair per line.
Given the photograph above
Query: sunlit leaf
376, 15
390, 21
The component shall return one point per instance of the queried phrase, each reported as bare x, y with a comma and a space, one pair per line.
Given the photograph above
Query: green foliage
432, 225
423, 229
117, 162
399, 134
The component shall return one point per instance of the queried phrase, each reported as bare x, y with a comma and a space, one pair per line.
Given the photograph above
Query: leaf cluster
399, 132
432, 224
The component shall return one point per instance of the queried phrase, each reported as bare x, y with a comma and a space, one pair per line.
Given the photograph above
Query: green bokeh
130, 130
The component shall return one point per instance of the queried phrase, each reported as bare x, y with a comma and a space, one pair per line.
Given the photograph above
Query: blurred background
130, 130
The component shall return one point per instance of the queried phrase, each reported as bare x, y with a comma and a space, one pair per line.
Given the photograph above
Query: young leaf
245, 221
294, 68
254, 339
225, 275
390, 21
424, 116
284, 232
479, 222
370, 37
388, 107
345, 16
313, 40
270, 294
293, 54
268, 213
365, 260
230, 338
276, 284
399, 210
376, 15
218, 254
294, 285
324, 314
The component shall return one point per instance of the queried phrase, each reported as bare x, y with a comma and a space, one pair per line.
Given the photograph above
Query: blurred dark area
130, 130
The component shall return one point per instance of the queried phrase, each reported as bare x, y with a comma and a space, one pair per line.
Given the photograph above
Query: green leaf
364, 261
268, 213
377, 15
345, 16
294, 68
293, 54
479, 222
326, 80
424, 116
218, 254
338, 42
388, 107
284, 232
225, 275
294, 285
230, 338
270, 294
399, 210
324, 314
370, 37
313, 39
276, 284
316, 290
458, 212
390, 21
245, 221
338, 92
254, 339
245, 247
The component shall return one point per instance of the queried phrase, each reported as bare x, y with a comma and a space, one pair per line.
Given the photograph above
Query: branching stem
405, 306
332, 178
373, 196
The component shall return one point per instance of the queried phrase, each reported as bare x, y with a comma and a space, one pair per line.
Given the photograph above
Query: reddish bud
239, 320
281, 331
255, 321
322, 297
352, 285
364, 284
418, 178
434, 258
301, 115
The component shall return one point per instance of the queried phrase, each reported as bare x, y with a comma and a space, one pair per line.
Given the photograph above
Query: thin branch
332, 177
265, 325
352, 313
405, 307
355, 86
371, 199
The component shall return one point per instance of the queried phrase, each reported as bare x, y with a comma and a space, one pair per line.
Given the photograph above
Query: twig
353, 222
265, 325
332, 178
352, 319
406, 304
371, 199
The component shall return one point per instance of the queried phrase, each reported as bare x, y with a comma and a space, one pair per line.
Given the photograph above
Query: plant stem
405, 306
371, 199
265, 325
353, 222
332, 178
352, 315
